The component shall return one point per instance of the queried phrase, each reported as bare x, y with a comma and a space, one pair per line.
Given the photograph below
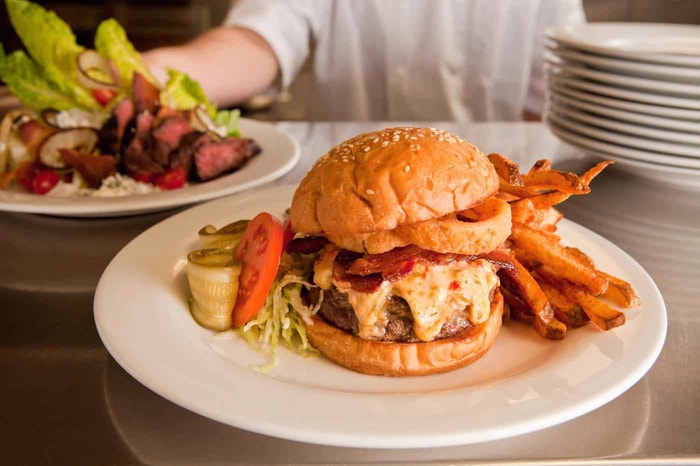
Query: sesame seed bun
397, 176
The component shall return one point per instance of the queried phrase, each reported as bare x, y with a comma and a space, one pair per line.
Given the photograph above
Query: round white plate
661, 152
689, 91
676, 176
631, 68
280, 153
629, 128
671, 44
524, 383
653, 115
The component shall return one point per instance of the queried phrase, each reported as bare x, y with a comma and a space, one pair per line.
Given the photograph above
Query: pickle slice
213, 278
226, 237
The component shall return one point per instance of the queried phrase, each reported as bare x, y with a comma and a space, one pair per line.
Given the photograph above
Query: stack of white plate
629, 92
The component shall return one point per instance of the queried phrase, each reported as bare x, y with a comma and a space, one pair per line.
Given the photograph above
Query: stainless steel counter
66, 402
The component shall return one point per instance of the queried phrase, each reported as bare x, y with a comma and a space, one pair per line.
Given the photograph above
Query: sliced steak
183, 156
215, 158
167, 135
137, 147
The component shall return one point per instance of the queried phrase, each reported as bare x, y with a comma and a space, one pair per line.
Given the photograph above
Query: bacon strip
307, 244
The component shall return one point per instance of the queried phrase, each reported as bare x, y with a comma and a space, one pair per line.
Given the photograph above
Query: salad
95, 122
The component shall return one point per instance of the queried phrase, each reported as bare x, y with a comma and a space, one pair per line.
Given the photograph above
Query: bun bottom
405, 359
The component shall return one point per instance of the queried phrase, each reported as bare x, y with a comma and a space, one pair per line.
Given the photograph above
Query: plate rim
567, 34
628, 94
683, 91
642, 69
626, 127
633, 108
636, 147
96, 207
393, 440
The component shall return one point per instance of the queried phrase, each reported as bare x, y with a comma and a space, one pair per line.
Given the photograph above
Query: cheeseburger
404, 222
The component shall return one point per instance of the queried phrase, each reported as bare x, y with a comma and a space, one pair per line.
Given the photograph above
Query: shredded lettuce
184, 93
228, 119
39, 88
280, 321
111, 42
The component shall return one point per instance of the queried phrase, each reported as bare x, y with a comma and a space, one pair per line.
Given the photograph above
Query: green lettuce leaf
229, 120
111, 42
47, 38
39, 88
183, 93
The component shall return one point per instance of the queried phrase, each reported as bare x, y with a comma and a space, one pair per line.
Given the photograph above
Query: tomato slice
259, 251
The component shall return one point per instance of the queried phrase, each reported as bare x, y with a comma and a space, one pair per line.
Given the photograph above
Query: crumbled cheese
122, 185
76, 117
113, 186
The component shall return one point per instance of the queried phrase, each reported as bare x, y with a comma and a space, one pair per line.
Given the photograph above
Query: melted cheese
433, 293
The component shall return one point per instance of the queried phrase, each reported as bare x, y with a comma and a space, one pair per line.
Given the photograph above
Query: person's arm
231, 63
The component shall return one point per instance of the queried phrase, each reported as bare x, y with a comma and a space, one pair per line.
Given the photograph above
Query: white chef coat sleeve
551, 13
285, 25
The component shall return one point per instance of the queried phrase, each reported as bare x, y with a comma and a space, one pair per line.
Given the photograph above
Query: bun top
397, 176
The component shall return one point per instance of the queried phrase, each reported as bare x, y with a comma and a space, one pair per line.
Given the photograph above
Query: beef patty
337, 310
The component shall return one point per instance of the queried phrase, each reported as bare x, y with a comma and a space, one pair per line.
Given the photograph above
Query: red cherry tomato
24, 174
44, 181
172, 179
144, 177
259, 251
103, 96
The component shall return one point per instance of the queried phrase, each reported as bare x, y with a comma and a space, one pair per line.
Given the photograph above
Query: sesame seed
366, 149
370, 192
407, 168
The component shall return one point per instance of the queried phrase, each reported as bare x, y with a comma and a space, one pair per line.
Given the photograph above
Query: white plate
629, 128
676, 176
674, 103
631, 68
653, 115
280, 153
685, 155
524, 383
689, 91
671, 44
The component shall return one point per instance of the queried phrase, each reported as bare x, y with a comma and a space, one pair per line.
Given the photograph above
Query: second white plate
280, 153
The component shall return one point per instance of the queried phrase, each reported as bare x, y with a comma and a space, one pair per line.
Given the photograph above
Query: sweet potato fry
508, 170
594, 171
545, 249
565, 309
524, 212
620, 292
554, 179
540, 165
597, 311
522, 285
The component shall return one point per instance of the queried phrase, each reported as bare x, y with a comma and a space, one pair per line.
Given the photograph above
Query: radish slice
95, 71
50, 117
80, 139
